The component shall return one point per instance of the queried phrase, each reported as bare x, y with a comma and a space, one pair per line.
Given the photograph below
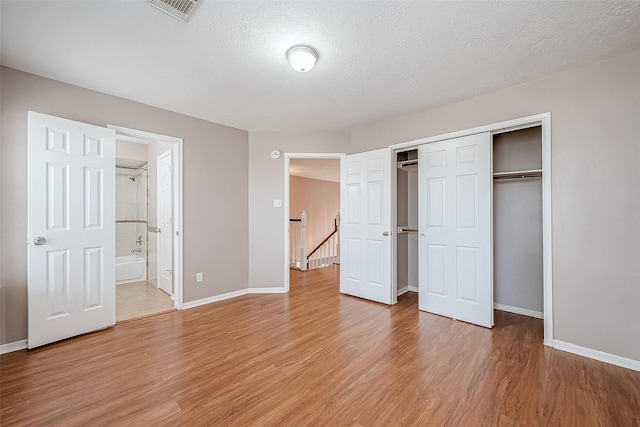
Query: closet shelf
129, 221
532, 173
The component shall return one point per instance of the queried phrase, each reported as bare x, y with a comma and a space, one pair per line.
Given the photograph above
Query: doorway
163, 222
311, 213
144, 283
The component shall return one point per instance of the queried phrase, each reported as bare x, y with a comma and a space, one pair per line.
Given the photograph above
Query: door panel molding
71, 228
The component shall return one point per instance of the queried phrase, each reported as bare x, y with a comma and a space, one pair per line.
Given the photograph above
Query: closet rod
534, 173
407, 230
404, 163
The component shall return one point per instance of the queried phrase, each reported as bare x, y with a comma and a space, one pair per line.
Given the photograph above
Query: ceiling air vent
181, 9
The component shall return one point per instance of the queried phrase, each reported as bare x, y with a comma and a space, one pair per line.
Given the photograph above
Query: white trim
215, 298
285, 211
406, 289
228, 295
132, 139
267, 291
177, 154
13, 346
518, 310
597, 355
139, 135
547, 247
506, 126
543, 120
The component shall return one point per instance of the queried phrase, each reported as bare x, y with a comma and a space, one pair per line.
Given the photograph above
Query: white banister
328, 253
303, 241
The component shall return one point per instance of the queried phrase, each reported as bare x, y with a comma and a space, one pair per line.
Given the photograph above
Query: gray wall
266, 182
517, 221
595, 189
215, 186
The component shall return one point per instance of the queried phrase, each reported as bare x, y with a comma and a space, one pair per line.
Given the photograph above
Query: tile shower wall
131, 204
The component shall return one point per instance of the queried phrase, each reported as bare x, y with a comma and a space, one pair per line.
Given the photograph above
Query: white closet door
455, 229
71, 217
365, 226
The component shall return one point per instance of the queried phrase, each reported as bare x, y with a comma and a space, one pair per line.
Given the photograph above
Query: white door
455, 182
165, 223
71, 222
365, 227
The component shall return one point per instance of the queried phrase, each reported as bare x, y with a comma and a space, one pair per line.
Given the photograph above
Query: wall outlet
199, 277
277, 203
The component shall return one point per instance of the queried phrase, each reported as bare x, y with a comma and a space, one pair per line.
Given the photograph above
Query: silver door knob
422, 235
385, 234
39, 241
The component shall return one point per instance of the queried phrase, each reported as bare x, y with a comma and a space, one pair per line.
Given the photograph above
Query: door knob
422, 235
39, 241
385, 234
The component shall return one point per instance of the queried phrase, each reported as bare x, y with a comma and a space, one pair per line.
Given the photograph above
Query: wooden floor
313, 357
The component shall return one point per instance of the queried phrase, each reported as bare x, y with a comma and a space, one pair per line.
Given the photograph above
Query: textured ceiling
377, 59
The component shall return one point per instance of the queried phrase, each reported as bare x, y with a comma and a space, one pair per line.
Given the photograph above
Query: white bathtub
130, 268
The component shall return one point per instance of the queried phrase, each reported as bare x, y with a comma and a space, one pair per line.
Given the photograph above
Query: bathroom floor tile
140, 299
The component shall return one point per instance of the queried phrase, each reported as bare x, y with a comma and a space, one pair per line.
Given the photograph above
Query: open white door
71, 255
365, 228
455, 228
165, 223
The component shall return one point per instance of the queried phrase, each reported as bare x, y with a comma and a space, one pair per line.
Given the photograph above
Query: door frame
177, 162
543, 120
159, 269
285, 213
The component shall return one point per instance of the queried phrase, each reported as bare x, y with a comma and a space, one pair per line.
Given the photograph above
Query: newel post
303, 243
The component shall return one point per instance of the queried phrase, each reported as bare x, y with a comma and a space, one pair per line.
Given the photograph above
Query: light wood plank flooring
140, 299
317, 358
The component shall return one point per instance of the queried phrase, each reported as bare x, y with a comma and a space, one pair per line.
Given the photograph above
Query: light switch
277, 203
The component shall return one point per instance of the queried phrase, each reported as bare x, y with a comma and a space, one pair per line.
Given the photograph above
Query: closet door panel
455, 229
365, 233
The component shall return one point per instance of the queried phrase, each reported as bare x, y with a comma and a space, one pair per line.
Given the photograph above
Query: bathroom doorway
148, 220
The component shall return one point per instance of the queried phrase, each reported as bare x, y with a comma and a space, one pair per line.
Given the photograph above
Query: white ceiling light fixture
302, 58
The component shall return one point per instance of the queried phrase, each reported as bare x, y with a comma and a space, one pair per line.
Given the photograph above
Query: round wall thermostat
275, 154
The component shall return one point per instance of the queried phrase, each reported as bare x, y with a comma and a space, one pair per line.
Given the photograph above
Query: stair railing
328, 251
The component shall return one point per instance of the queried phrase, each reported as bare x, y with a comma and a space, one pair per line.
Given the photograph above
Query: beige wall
321, 200
215, 186
266, 182
596, 189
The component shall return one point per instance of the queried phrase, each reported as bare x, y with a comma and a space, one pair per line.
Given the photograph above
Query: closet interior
407, 220
517, 221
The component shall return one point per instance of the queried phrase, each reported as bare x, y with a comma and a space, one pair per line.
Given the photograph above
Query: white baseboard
215, 298
406, 289
13, 346
233, 294
597, 355
518, 310
267, 291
